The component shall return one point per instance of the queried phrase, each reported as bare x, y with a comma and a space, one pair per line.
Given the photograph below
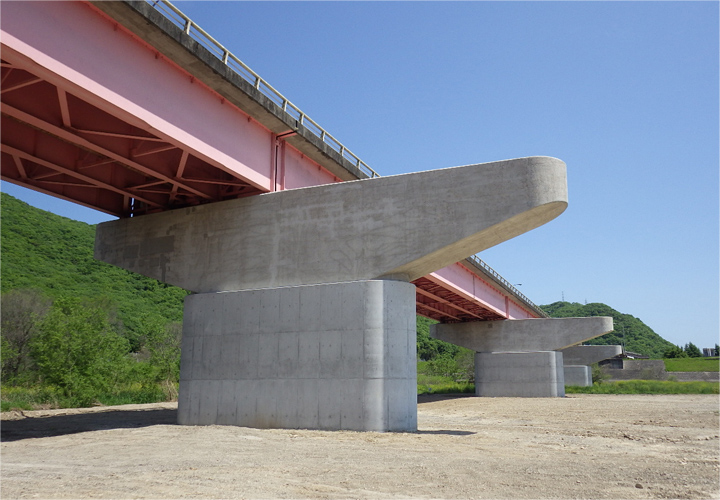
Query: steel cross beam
59, 152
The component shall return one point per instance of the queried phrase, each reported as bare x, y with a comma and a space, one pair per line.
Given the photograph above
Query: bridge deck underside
62, 145
442, 303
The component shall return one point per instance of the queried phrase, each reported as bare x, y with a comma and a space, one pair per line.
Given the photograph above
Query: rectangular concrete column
331, 356
519, 374
580, 375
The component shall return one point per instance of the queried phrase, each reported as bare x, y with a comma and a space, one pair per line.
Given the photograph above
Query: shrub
77, 351
22, 311
675, 352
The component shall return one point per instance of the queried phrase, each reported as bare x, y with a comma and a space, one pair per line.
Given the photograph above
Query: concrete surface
336, 356
519, 374
400, 227
542, 334
589, 354
580, 375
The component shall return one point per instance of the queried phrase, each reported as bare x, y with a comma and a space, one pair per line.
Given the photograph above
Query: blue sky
626, 93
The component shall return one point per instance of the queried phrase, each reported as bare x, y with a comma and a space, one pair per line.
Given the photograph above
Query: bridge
132, 109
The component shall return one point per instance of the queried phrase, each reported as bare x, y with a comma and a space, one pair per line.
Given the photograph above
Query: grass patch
647, 387
48, 397
435, 384
449, 388
29, 398
711, 364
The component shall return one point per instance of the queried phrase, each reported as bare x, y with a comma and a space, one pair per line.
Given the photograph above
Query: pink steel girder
93, 114
61, 145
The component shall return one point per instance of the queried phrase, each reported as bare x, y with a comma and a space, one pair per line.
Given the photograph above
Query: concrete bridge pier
580, 375
304, 314
578, 358
327, 356
520, 358
536, 374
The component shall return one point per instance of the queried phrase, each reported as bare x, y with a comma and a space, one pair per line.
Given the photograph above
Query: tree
692, 350
163, 344
22, 310
717, 350
675, 352
443, 365
429, 348
77, 350
466, 363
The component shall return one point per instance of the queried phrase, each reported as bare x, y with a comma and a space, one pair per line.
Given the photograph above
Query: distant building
708, 351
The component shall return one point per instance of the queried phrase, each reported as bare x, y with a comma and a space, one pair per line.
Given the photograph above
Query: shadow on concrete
59, 425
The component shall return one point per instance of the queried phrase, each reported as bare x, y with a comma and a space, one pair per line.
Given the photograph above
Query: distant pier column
578, 375
519, 374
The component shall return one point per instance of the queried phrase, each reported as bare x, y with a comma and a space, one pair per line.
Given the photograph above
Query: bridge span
78, 123
308, 266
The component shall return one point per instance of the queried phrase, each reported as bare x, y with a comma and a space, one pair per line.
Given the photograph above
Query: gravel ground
581, 446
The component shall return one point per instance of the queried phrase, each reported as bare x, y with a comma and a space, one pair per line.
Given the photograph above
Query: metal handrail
477, 260
174, 15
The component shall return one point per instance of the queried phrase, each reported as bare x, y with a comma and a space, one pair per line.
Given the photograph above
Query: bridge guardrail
174, 15
481, 263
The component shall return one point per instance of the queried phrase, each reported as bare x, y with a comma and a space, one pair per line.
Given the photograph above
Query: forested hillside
53, 254
638, 337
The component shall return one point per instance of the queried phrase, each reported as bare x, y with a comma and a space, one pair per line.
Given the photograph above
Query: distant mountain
54, 254
638, 337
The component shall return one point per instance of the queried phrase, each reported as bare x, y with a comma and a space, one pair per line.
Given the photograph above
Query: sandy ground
582, 446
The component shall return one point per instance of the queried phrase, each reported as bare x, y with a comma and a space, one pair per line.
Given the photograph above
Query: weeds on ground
646, 387
449, 388
50, 397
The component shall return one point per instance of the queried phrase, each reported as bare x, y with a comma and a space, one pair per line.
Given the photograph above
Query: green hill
638, 337
53, 254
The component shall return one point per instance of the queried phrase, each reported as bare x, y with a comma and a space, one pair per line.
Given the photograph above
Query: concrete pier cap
589, 354
396, 227
522, 335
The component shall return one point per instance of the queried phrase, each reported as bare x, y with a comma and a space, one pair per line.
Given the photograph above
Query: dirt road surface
581, 446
